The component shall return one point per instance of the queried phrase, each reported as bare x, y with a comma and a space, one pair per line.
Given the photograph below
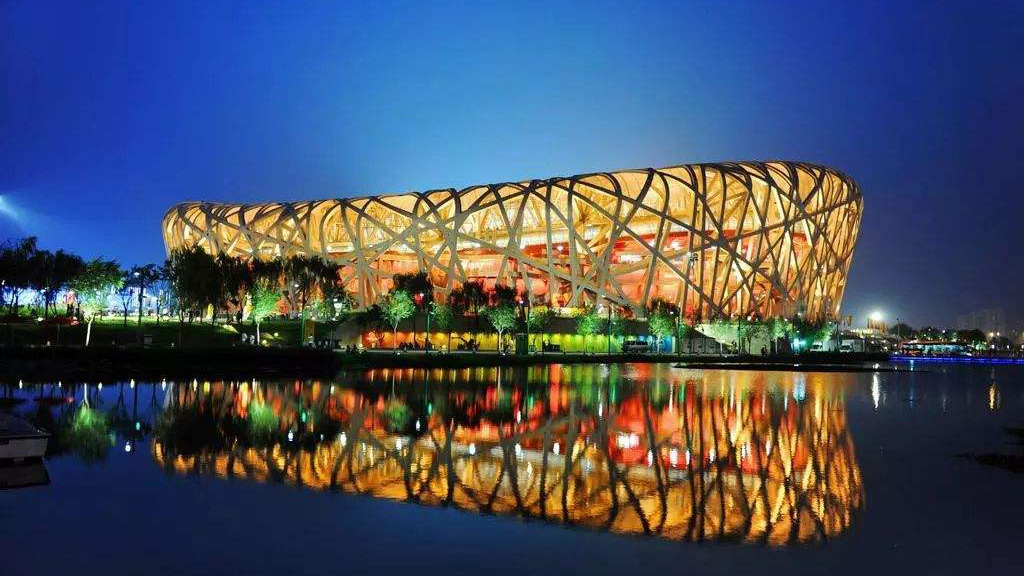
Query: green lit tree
87, 433
538, 320
589, 322
444, 319
395, 307
777, 328
807, 332
420, 289
263, 299
661, 325
503, 317
92, 286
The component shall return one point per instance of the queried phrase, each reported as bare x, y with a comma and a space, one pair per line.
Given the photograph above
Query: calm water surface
620, 469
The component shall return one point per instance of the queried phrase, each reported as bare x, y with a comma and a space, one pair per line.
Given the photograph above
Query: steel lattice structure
770, 238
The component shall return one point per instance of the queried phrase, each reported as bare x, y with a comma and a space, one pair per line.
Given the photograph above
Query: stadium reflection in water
637, 449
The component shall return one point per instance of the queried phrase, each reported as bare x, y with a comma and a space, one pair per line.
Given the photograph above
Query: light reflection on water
638, 449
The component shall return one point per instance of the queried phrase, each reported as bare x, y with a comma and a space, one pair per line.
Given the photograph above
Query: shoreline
76, 363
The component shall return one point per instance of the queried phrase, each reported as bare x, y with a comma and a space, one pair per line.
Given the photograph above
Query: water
589, 469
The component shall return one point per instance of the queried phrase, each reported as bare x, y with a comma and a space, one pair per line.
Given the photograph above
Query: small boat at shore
20, 440
31, 472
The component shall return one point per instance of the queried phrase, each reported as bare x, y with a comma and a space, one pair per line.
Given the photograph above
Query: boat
20, 440
23, 474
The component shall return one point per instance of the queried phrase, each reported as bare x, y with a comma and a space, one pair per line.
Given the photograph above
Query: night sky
110, 112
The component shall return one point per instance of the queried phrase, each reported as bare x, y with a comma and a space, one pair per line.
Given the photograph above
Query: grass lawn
108, 331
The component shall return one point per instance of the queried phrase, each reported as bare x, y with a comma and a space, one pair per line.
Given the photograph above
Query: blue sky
110, 112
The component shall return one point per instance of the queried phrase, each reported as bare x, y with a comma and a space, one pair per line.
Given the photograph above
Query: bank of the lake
41, 363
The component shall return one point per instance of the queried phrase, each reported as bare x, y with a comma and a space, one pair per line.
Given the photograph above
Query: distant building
989, 320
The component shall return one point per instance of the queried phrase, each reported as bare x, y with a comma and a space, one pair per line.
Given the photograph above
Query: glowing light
876, 316
342, 439
291, 436
627, 440
127, 447
472, 449
555, 448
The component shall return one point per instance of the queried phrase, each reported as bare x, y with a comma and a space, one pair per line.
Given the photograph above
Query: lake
597, 469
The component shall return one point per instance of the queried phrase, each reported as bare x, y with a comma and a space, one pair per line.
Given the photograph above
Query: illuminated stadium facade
765, 238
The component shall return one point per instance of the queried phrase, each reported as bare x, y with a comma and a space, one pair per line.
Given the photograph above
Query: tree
395, 307
661, 325
806, 332
305, 277
589, 322
444, 319
334, 304
721, 330
51, 273
235, 280
164, 296
538, 319
124, 292
16, 269
263, 299
142, 277
777, 328
502, 294
191, 275
902, 330
658, 308
973, 337
503, 317
371, 320
419, 288
470, 296
92, 286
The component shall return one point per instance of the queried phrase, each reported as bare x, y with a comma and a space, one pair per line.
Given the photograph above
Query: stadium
719, 240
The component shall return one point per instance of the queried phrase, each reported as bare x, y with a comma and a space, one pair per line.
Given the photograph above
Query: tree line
507, 311
190, 284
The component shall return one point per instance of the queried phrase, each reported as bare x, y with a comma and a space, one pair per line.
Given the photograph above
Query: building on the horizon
765, 238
